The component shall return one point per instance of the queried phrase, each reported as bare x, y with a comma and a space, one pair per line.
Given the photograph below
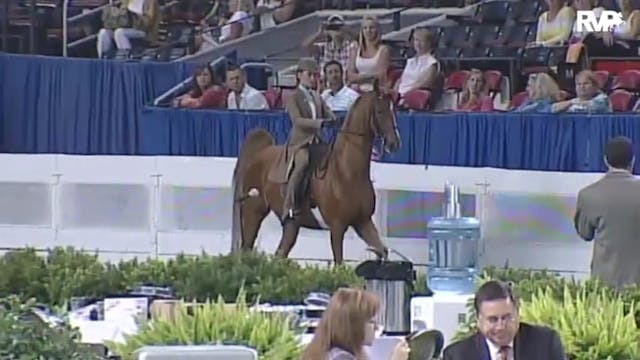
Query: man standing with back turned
608, 212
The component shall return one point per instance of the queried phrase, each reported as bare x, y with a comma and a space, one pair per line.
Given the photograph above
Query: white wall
160, 206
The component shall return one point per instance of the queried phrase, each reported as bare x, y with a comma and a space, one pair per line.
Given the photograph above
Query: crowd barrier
502, 140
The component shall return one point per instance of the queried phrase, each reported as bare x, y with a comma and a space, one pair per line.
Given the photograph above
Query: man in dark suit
608, 213
500, 335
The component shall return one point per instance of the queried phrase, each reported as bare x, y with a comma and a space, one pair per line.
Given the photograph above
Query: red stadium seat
493, 79
621, 100
417, 100
273, 98
628, 80
602, 77
394, 75
518, 99
455, 81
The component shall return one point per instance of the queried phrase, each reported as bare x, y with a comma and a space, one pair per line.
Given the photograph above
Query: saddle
281, 171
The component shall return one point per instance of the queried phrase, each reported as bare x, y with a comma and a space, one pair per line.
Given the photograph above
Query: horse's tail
256, 140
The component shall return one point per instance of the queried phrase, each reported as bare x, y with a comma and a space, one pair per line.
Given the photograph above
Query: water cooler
453, 248
452, 269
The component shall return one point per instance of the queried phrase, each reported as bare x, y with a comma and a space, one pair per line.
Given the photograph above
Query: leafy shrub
24, 336
592, 323
271, 334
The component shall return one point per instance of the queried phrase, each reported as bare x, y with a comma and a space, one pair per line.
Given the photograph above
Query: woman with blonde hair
421, 70
347, 325
542, 92
588, 98
372, 58
474, 95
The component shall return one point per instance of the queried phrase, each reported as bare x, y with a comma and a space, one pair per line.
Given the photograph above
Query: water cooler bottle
453, 248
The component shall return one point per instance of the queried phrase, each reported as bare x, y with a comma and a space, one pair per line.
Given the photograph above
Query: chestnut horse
341, 187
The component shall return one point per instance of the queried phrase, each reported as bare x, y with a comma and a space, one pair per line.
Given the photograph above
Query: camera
333, 26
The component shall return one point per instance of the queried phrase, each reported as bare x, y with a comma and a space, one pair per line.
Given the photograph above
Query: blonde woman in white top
372, 58
422, 69
555, 25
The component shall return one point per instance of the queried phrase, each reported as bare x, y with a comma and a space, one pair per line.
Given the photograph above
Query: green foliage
271, 334
24, 336
592, 323
64, 273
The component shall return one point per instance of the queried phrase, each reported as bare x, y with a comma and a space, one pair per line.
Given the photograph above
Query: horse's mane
354, 106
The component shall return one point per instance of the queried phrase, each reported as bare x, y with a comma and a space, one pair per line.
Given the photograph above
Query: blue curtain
511, 141
77, 106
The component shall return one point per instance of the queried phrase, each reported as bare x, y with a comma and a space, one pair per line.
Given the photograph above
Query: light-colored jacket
339, 354
608, 213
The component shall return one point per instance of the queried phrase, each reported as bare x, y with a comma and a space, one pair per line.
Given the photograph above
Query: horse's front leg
290, 230
369, 233
337, 242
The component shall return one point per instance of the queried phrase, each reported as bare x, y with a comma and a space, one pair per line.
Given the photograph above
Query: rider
308, 114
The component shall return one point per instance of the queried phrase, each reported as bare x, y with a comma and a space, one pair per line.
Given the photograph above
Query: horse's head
380, 105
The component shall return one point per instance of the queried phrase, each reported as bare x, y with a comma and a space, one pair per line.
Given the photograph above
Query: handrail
171, 92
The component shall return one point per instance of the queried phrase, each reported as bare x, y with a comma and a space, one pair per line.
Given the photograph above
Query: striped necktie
505, 353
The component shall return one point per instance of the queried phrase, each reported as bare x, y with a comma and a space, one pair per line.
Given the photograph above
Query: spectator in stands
204, 93
371, 60
588, 97
584, 5
474, 95
338, 96
241, 95
422, 69
143, 23
274, 12
542, 92
347, 325
339, 45
240, 23
555, 25
616, 42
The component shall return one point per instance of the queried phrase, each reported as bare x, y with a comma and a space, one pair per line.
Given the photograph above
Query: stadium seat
518, 99
474, 52
453, 35
483, 35
273, 98
455, 81
417, 100
628, 80
493, 79
495, 12
603, 77
621, 100
525, 11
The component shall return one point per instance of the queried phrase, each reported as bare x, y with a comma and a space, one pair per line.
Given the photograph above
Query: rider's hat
308, 64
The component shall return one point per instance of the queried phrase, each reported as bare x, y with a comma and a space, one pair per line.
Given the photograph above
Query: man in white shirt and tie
241, 95
501, 335
338, 97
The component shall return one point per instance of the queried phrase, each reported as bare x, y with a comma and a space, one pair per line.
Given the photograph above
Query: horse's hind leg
369, 233
290, 230
254, 210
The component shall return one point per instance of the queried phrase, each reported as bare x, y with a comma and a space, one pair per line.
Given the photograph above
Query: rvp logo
586, 21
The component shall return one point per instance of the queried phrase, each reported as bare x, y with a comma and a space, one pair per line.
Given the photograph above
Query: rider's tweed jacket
304, 127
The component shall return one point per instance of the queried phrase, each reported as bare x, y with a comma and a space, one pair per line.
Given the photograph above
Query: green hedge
64, 273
